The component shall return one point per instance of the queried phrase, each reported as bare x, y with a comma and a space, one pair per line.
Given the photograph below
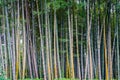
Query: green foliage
2, 78
2, 74
37, 13
7, 2
33, 79
1, 16
65, 79
81, 5
118, 6
63, 40
55, 5
102, 7
1, 3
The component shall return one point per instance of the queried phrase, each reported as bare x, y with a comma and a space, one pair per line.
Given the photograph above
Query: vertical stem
41, 42
70, 25
78, 59
105, 53
55, 63
88, 41
24, 41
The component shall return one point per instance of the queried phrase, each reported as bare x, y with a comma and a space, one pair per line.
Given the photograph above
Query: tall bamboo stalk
105, 54
70, 26
41, 42
78, 59
24, 41
88, 41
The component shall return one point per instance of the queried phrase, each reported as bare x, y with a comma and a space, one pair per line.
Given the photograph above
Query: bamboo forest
59, 39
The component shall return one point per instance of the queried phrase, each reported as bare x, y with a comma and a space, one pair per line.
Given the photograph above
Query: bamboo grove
56, 39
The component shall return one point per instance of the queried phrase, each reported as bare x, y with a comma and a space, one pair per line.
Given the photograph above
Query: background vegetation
65, 39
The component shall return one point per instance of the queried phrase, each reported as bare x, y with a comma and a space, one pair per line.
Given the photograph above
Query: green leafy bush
2, 75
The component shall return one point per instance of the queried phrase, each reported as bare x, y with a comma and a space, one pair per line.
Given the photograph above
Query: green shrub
2, 76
